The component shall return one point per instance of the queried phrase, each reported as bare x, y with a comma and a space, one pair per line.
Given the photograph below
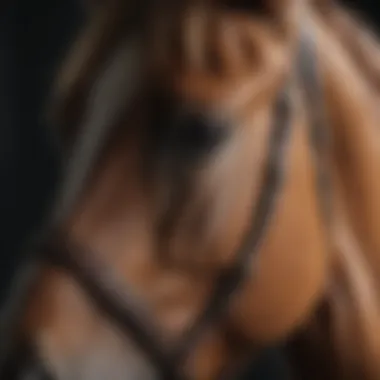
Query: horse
221, 197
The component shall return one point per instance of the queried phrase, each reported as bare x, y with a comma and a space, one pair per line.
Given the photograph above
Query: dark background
33, 38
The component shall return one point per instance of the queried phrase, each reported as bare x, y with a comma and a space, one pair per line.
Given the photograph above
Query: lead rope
109, 96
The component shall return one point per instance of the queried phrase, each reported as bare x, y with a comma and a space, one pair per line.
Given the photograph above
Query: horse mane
356, 36
343, 335
107, 24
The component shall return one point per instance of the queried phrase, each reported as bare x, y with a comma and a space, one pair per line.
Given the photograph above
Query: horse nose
24, 363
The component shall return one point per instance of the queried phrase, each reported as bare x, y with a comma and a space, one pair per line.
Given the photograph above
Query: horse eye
195, 134
186, 134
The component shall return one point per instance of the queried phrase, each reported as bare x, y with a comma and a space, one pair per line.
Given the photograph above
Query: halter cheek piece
112, 298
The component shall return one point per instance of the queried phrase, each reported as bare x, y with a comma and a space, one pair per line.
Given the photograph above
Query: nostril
24, 364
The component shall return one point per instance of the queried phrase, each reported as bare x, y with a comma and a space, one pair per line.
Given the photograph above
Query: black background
33, 38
